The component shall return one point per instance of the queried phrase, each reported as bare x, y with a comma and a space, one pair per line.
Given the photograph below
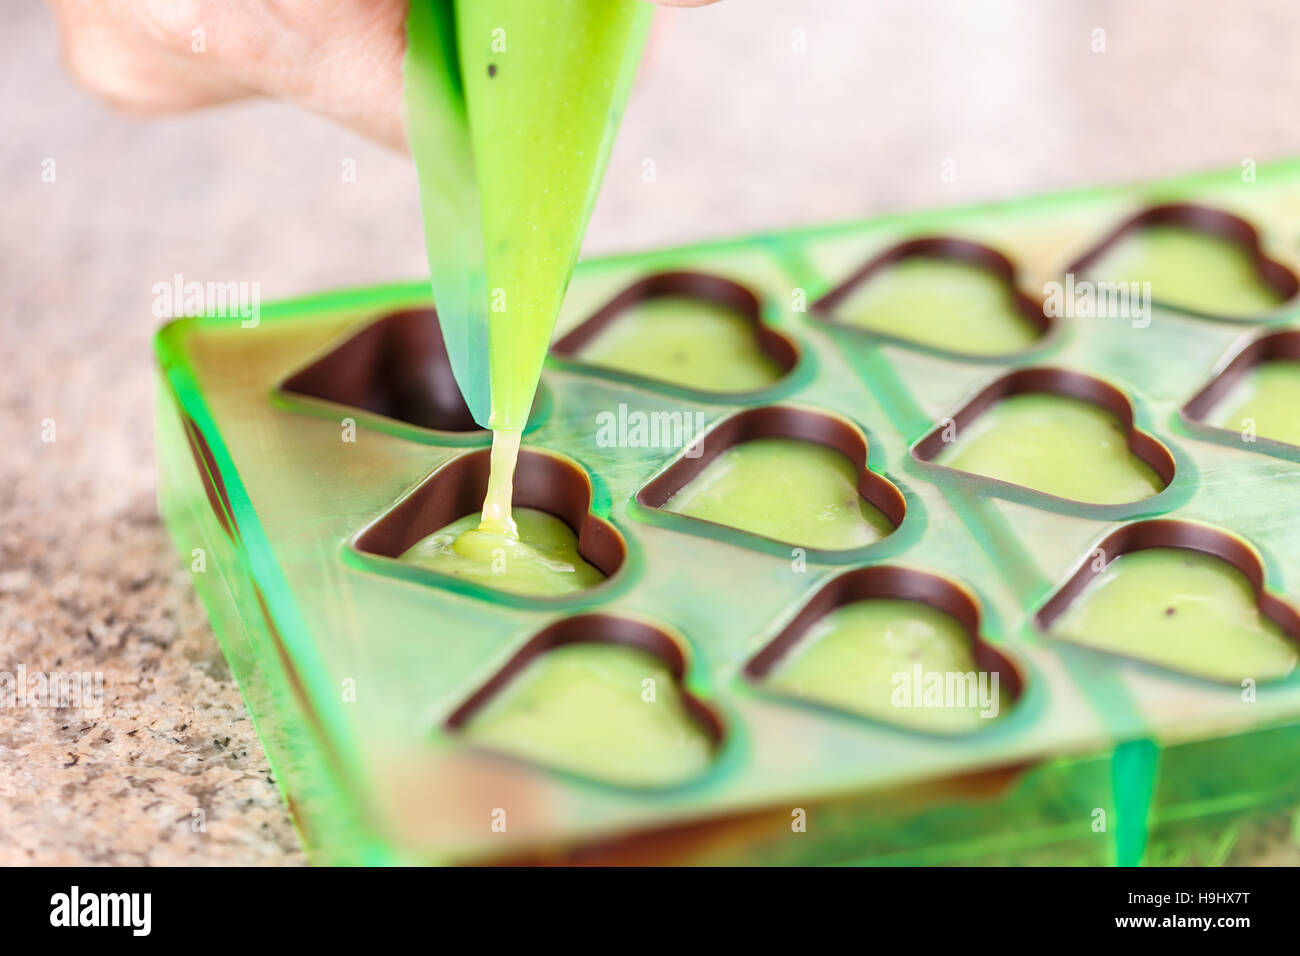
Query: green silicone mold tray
301, 457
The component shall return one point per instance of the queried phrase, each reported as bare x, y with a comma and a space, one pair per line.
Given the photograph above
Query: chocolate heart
888, 582
544, 481
780, 422
731, 297
1275, 276
1196, 540
603, 630
829, 308
1281, 346
1049, 381
395, 367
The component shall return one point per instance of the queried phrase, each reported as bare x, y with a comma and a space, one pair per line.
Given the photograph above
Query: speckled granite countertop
746, 134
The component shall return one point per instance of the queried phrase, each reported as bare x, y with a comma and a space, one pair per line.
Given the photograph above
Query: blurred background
758, 114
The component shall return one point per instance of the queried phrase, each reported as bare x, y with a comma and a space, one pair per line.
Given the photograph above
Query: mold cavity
786, 474
597, 696
1195, 258
1186, 597
1054, 443
1265, 402
945, 293
1257, 392
562, 548
1057, 432
785, 488
687, 329
894, 644
397, 367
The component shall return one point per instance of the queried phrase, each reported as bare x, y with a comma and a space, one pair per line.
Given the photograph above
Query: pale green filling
601, 710
938, 302
1266, 403
791, 490
1056, 444
898, 661
543, 560
1189, 269
1183, 610
685, 342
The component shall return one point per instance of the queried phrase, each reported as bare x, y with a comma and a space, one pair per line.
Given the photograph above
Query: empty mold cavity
1256, 395
895, 644
598, 696
563, 548
791, 475
1196, 258
688, 329
397, 367
1055, 431
948, 294
1184, 596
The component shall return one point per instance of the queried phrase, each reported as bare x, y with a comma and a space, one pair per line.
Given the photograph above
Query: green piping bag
511, 110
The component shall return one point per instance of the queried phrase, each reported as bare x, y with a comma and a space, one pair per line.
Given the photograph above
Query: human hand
341, 59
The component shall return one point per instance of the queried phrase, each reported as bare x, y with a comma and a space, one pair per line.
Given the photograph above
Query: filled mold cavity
945, 293
1058, 432
791, 475
1183, 596
1197, 259
396, 367
562, 547
896, 645
687, 329
1256, 395
599, 696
